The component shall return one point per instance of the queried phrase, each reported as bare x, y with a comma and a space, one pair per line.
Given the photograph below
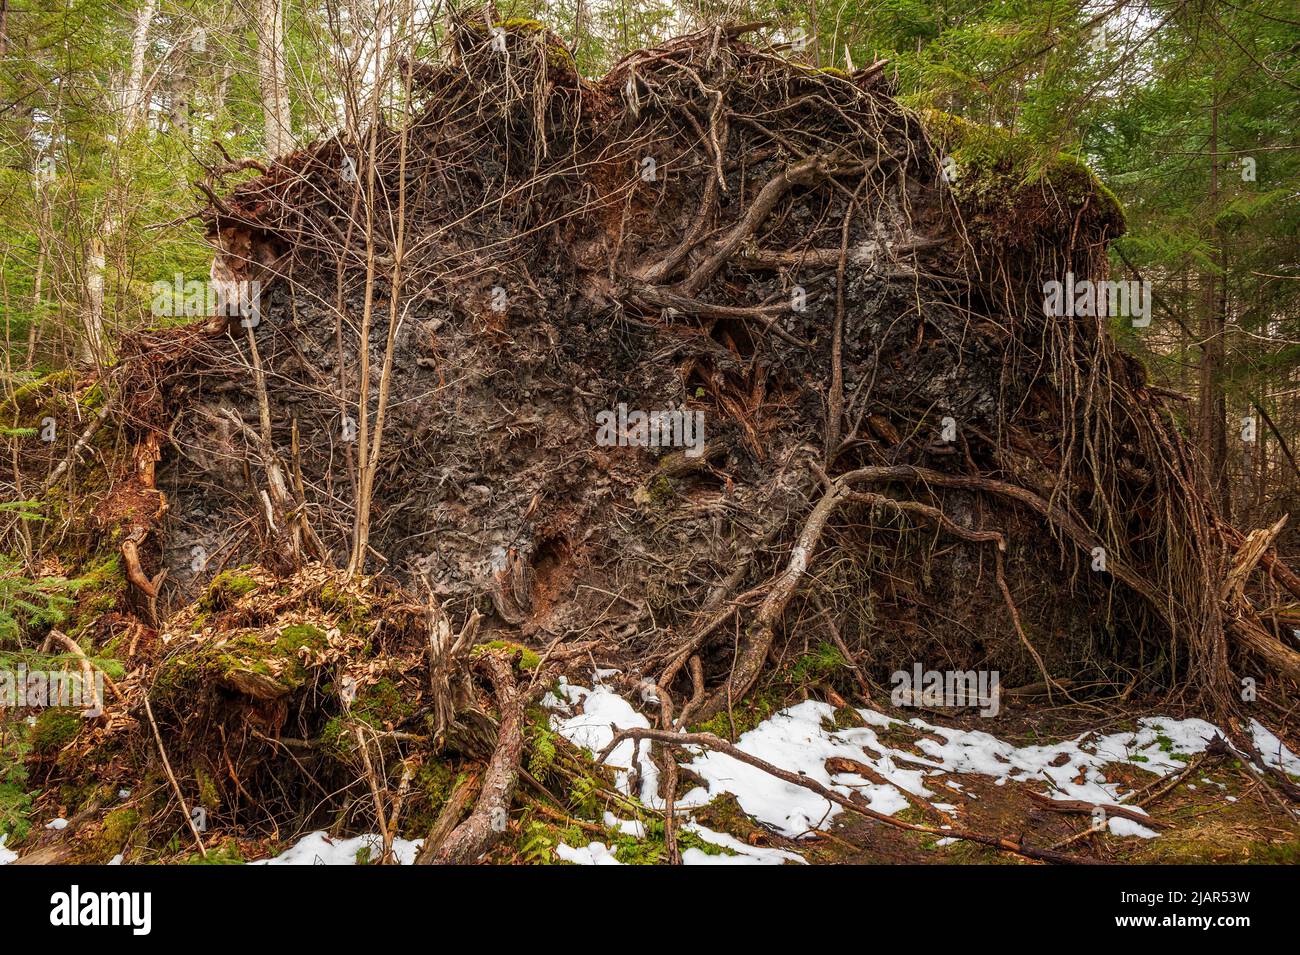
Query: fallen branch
171, 776
449, 817
1083, 807
488, 821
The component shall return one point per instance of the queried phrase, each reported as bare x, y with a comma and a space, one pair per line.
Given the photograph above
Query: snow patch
802, 738
594, 853
317, 848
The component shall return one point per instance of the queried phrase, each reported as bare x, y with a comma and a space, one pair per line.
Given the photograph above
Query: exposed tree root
487, 822
882, 394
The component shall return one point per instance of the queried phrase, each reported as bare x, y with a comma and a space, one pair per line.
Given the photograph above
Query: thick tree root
488, 821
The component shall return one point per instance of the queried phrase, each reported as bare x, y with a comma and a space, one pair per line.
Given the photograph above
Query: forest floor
1203, 805
1218, 814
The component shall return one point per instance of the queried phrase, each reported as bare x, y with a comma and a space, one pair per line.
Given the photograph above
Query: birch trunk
271, 77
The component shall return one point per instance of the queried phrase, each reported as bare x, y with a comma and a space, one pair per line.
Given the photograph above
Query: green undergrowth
381, 706
528, 659
557, 56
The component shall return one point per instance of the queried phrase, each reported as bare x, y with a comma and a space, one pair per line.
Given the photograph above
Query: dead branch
488, 821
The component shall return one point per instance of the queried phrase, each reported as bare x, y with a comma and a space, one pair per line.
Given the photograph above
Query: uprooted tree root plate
897, 455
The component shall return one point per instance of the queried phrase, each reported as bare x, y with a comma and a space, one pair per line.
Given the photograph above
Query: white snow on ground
743, 853
629, 827
317, 848
602, 709
739, 853
801, 739
594, 853
6, 855
794, 740
1272, 750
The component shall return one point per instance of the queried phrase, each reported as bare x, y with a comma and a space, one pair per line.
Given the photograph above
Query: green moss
296, 636
822, 70
724, 814
431, 787
55, 728
585, 797
652, 848
660, 490
541, 749
15, 799
846, 717
744, 716
228, 853
528, 660
559, 58
226, 588
1218, 844
29, 393
352, 613
101, 586
824, 660
522, 25
259, 664
116, 831
992, 166
538, 841
209, 798
899, 735
175, 674
92, 399
336, 737
381, 705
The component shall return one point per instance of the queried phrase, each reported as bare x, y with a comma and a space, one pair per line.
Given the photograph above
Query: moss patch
528, 659
263, 665
55, 728
744, 716
226, 588
991, 170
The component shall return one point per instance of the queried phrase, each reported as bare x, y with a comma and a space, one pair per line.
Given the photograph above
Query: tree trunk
271, 77
38, 286
93, 340
133, 93
1212, 436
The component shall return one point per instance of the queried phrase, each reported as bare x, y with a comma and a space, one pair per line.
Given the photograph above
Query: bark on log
488, 821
